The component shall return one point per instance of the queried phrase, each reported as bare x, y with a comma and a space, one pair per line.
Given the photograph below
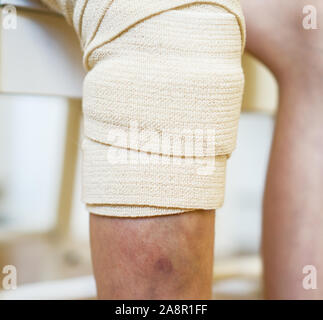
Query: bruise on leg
166, 257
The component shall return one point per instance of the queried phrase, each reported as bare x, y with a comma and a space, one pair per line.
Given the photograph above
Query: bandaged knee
161, 101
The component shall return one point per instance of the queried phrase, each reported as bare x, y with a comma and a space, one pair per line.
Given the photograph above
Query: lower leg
293, 207
165, 257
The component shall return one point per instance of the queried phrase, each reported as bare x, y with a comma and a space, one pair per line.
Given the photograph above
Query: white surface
238, 222
75, 288
41, 56
30, 4
32, 148
80, 215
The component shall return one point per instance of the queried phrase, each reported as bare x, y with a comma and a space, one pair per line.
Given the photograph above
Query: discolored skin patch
164, 265
167, 257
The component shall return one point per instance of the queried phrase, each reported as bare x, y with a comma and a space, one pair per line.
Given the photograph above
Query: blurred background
43, 223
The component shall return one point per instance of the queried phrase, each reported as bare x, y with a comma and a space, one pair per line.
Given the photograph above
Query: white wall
31, 151
239, 220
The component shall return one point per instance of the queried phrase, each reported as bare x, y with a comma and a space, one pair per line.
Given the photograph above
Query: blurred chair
41, 56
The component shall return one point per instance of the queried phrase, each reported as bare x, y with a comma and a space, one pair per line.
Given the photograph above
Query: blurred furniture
41, 56
261, 89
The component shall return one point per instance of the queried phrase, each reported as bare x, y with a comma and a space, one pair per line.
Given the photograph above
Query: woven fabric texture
161, 101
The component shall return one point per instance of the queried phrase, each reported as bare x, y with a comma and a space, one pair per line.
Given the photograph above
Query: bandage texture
161, 101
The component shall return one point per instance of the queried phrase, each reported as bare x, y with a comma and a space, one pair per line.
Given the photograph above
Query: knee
165, 246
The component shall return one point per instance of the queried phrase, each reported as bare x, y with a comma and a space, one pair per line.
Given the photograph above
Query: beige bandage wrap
161, 101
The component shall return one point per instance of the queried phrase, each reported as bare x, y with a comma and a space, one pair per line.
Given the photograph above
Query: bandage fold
161, 101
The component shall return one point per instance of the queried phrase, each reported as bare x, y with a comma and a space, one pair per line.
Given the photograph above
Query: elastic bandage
161, 102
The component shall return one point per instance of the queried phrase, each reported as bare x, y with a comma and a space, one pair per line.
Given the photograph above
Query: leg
161, 107
293, 220
166, 257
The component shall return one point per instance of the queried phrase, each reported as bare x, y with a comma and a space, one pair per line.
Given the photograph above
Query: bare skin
166, 257
293, 203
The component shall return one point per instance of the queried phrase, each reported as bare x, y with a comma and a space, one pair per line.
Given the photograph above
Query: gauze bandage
161, 101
